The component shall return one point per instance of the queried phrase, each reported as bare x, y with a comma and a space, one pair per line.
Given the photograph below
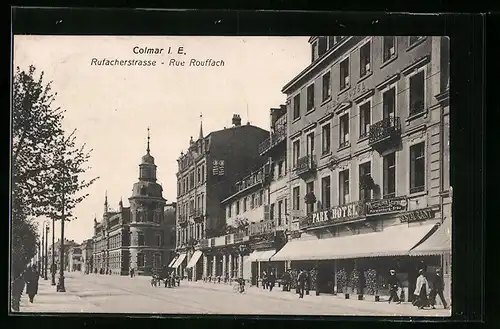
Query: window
344, 74
314, 51
202, 205
285, 209
296, 152
261, 198
158, 239
344, 187
140, 260
414, 39
202, 173
296, 198
389, 48
140, 238
417, 168
280, 212
198, 179
365, 59
322, 46
364, 119
326, 138
310, 98
417, 93
191, 180
338, 38
244, 204
157, 260
389, 103
344, 130
364, 172
327, 90
271, 212
390, 176
310, 144
310, 189
331, 42
296, 107
280, 168
325, 192
229, 210
252, 202
237, 207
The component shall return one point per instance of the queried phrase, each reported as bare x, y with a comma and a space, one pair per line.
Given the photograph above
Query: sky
112, 106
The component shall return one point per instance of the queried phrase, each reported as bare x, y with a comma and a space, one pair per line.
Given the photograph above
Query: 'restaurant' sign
386, 206
335, 215
417, 215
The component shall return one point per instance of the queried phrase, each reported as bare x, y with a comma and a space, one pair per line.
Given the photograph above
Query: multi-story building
368, 152
87, 251
206, 173
134, 237
68, 244
75, 259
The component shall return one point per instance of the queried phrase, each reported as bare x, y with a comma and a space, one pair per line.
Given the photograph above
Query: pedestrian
394, 284
437, 290
421, 291
272, 280
17, 291
286, 278
264, 280
301, 282
32, 283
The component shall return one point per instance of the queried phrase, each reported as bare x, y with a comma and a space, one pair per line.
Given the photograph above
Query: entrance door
326, 272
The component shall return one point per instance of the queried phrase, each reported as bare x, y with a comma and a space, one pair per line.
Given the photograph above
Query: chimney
236, 120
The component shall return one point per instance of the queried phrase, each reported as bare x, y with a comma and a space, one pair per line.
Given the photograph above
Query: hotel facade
368, 150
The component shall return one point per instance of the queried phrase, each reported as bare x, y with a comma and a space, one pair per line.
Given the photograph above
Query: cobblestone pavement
118, 294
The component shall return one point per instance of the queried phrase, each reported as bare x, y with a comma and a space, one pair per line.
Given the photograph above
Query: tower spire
106, 202
147, 150
201, 125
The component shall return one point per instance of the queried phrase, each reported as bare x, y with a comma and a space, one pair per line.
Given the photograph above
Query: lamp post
52, 268
39, 254
46, 249
60, 284
42, 268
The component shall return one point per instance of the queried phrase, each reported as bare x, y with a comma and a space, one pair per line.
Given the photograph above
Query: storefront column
334, 276
241, 266
214, 265
205, 265
230, 270
224, 259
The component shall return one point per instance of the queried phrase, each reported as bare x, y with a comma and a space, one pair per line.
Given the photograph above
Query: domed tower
146, 217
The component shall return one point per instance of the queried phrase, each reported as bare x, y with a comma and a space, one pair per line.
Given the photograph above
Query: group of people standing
268, 280
28, 278
425, 294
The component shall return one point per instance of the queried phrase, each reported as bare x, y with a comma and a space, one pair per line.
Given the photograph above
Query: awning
439, 242
172, 261
256, 254
266, 255
179, 261
194, 259
393, 241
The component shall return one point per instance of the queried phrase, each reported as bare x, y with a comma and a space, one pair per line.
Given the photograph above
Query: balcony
385, 133
253, 179
198, 214
183, 220
276, 138
304, 165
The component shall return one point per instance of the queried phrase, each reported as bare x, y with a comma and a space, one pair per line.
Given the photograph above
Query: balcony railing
197, 213
305, 164
386, 129
253, 179
263, 227
183, 219
277, 137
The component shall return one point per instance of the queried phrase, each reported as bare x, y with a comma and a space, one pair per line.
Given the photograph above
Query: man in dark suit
437, 289
301, 282
394, 285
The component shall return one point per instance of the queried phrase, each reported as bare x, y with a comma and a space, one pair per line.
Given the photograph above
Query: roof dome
148, 159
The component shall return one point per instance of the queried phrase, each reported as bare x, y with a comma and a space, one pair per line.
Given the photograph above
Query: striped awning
172, 261
438, 243
266, 255
194, 259
179, 261
393, 241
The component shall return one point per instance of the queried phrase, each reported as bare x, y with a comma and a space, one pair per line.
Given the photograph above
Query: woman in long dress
421, 291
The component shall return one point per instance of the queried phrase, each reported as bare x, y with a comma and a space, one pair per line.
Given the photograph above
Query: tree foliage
45, 161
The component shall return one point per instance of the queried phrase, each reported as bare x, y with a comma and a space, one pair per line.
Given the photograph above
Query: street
119, 294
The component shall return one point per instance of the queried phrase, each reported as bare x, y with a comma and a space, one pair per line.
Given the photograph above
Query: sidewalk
48, 300
379, 308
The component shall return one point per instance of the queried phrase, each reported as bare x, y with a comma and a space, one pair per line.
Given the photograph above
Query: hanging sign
417, 215
386, 206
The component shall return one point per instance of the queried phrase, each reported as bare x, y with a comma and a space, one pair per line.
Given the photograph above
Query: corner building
207, 172
137, 236
369, 155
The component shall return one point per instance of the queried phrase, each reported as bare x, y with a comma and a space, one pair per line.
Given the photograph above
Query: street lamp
52, 268
60, 284
42, 253
46, 248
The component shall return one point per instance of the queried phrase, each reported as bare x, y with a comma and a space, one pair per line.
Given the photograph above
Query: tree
24, 245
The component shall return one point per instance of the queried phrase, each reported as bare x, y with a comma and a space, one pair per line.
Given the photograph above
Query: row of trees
47, 164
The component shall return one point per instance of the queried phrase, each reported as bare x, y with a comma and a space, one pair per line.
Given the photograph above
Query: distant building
206, 175
75, 259
135, 237
87, 251
68, 244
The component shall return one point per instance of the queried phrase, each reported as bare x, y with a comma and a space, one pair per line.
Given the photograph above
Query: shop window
310, 98
364, 119
296, 198
417, 93
325, 192
389, 176
389, 45
344, 74
365, 59
326, 139
327, 90
344, 187
417, 168
296, 107
344, 131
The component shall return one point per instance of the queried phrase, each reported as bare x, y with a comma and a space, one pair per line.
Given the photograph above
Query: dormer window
314, 51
